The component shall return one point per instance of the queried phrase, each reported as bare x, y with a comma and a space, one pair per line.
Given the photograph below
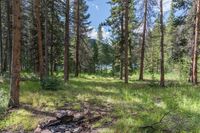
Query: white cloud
106, 34
167, 5
93, 34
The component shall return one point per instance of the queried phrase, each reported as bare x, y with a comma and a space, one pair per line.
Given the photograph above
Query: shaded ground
136, 107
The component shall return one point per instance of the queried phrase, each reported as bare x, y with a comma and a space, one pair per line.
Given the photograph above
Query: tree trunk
196, 41
51, 40
131, 55
126, 39
34, 60
143, 42
1, 44
51, 56
16, 51
122, 47
67, 45
9, 36
46, 41
162, 71
39, 35
190, 79
77, 38
5, 64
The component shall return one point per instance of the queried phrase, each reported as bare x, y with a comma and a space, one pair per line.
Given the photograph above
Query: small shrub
51, 83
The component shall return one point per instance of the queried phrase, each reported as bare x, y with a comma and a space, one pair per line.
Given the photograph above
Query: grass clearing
133, 106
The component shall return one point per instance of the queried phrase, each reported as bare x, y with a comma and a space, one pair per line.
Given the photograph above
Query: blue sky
99, 10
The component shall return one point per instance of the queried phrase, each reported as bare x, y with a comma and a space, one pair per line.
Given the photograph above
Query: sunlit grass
19, 120
133, 106
3, 97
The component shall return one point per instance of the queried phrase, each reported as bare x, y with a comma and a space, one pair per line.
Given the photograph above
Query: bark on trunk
1, 45
46, 41
126, 39
190, 79
131, 55
9, 37
162, 71
67, 45
196, 41
77, 37
143, 42
39, 35
122, 47
16, 51
52, 38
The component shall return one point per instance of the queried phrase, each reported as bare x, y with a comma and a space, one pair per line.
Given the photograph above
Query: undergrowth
136, 107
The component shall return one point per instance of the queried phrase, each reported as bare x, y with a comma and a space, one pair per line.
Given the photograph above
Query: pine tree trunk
32, 41
1, 44
190, 79
9, 37
143, 42
77, 37
131, 55
162, 71
122, 47
67, 45
196, 41
5, 64
51, 55
16, 51
51, 40
126, 40
39, 35
46, 41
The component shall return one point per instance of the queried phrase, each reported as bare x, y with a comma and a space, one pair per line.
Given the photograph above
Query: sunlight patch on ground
20, 119
134, 105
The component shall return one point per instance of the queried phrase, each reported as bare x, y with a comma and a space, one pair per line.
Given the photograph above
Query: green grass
132, 106
3, 97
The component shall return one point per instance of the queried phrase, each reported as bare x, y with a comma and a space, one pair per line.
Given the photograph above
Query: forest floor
140, 106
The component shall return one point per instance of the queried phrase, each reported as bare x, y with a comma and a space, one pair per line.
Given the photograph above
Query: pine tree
117, 23
81, 30
9, 38
16, 67
148, 14
153, 50
1, 43
67, 41
46, 46
143, 40
196, 40
162, 69
39, 36
95, 57
77, 21
126, 37
171, 46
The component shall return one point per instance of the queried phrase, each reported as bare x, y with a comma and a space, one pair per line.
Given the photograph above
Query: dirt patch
71, 121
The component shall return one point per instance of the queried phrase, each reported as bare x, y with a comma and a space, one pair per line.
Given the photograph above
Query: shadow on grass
36, 111
137, 96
